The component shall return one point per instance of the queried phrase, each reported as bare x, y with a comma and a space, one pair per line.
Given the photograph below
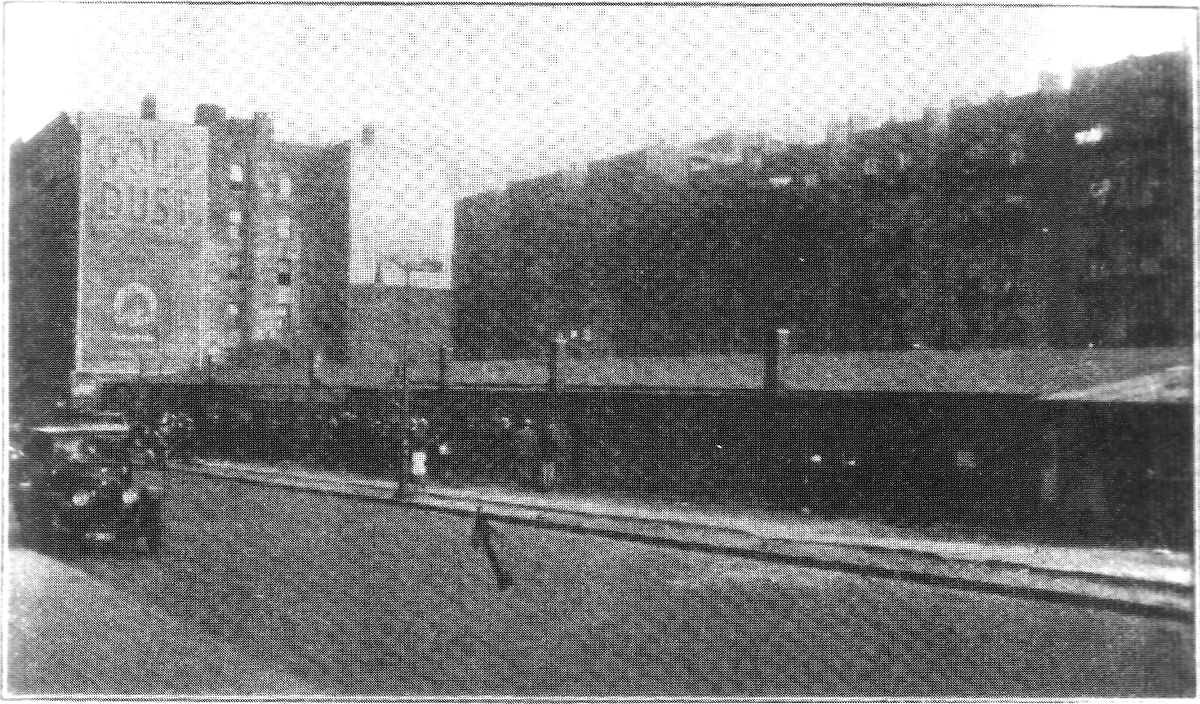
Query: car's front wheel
153, 532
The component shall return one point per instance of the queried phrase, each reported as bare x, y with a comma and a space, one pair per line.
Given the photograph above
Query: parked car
73, 483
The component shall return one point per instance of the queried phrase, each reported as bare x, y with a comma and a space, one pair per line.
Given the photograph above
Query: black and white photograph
599, 350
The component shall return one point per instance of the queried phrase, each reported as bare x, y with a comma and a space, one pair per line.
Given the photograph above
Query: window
1092, 136
285, 187
285, 278
231, 310
236, 174
283, 227
235, 217
871, 167
235, 233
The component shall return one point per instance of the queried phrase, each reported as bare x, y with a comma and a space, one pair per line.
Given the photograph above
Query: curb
1101, 577
542, 517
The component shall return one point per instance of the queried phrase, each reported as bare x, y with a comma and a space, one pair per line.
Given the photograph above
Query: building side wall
400, 211
145, 264
387, 320
322, 196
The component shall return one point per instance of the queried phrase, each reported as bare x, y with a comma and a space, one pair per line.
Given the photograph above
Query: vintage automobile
73, 485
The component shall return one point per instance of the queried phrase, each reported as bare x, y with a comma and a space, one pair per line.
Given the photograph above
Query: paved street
292, 592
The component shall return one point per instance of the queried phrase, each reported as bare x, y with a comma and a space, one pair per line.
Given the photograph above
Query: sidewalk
772, 526
1137, 575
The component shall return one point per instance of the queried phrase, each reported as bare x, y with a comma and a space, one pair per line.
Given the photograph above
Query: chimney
1049, 82
934, 115
263, 128
149, 107
209, 114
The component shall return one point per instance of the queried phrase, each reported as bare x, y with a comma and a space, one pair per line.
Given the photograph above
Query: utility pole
405, 400
141, 386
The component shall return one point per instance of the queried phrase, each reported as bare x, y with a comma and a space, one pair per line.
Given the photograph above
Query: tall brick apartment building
1058, 218
142, 245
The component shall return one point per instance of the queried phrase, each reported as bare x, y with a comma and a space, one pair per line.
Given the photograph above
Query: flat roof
1030, 372
83, 429
1171, 386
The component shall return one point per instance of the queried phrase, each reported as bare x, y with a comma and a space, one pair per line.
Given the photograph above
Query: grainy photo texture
604, 351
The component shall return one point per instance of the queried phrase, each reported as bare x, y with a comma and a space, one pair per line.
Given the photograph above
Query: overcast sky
505, 92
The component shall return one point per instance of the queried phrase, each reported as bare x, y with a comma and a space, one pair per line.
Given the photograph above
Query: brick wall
384, 320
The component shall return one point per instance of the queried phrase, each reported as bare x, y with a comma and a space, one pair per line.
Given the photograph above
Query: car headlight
129, 496
82, 497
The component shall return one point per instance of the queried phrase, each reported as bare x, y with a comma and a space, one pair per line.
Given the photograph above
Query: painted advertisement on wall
143, 224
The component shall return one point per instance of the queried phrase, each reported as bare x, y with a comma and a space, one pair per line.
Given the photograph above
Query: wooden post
442, 360
773, 358
554, 364
1048, 492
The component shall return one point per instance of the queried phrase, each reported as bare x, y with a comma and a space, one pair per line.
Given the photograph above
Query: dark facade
388, 320
44, 259
322, 189
1058, 218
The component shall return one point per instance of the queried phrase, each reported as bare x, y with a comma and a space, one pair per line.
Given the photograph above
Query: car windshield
87, 448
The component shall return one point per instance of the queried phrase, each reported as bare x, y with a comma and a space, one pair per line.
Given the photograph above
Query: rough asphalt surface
262, 590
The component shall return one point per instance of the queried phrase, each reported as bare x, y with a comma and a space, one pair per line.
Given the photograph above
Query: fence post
774, 355
554, 364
